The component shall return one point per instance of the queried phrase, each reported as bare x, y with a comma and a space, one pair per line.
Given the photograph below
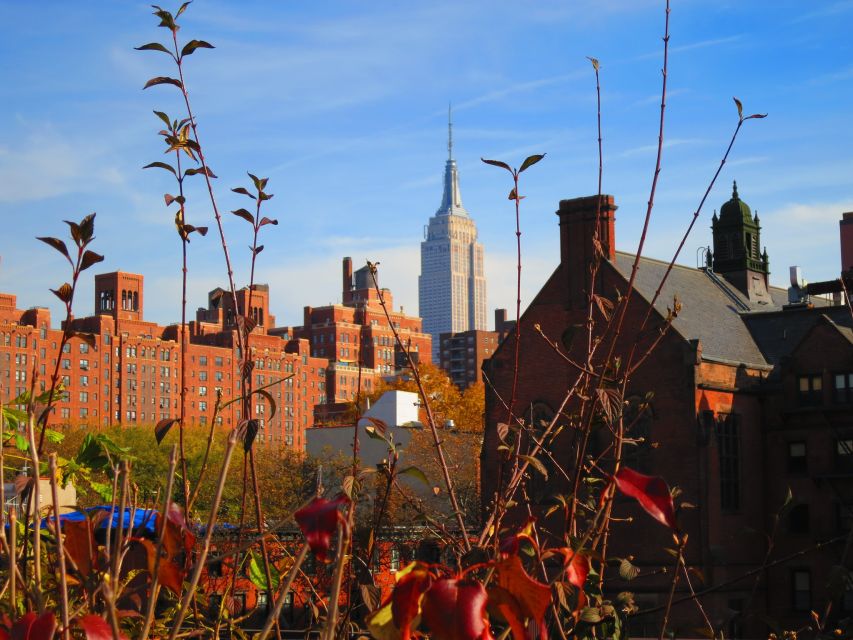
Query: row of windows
810, 388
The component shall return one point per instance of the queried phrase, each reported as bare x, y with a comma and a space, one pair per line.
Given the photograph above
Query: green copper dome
735, 208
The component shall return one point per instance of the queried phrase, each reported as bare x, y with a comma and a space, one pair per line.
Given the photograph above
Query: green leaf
628, 571
243, 213
590, 615
54, 436
154, 46
192, 45
90, 258
739, 106
163, 80
257, 574
265, 196
415, 473
497, 163
536, 463
21, 443
162, 165
57, 244
529, 161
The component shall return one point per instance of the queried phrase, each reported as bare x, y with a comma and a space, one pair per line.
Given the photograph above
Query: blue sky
343, 105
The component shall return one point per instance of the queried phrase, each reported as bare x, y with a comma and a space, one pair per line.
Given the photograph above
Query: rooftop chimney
347, 276
577, 232
846, 229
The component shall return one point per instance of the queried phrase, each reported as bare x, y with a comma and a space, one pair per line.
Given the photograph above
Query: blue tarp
142, 519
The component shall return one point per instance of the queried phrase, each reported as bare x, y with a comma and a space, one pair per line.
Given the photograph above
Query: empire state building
452, 285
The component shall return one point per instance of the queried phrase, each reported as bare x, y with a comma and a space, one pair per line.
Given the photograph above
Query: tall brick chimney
347, 277
846, 230
577, 230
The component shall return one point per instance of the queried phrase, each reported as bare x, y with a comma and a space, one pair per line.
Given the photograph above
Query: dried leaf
89, 258
163, 80
192, 45
57, 244
739, 106
244, 213
162, 428
154, 46
497, 163
64, 293
594, 62
161, 165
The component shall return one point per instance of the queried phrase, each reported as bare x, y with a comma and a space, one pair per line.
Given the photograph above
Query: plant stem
155, 580
279, 602
205, 545
60, 550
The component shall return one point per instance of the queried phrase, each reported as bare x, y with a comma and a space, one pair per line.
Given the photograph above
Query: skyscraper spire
451, 201
449, 133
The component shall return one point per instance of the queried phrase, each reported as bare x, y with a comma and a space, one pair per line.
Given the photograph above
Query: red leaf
177, 546
510, 544
318, 520
533, 596
80, 545
33, 627
651, 492
456, 610
577, 569
95, 628
503, 606
406, 599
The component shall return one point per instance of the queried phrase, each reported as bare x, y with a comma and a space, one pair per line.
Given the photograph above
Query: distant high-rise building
452, 285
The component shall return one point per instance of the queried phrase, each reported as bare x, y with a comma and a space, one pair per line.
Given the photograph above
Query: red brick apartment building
357, 333
752, 394
463, 352
132, 373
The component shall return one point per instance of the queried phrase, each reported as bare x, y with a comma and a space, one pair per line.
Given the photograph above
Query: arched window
123, 300
135, 301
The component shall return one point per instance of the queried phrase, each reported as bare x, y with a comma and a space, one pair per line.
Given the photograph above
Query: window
797, 461
202, 391
801, 581
844, 453
202, 405
798, 519
84, 364
202, 375
811, 390
84, 347
728, 445
843, 388
218, 361
394, 564
202, 360
66, 363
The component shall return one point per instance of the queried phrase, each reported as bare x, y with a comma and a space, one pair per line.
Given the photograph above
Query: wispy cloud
651, 148
832, 9
519, 87
702, 44
43, 163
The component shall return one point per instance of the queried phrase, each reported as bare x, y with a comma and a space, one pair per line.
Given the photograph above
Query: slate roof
778, 334
710, 308
727, 324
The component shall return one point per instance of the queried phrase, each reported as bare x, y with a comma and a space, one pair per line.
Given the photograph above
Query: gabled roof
779, 334
710, 308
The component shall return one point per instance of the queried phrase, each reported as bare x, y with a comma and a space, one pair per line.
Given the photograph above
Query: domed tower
737, 249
